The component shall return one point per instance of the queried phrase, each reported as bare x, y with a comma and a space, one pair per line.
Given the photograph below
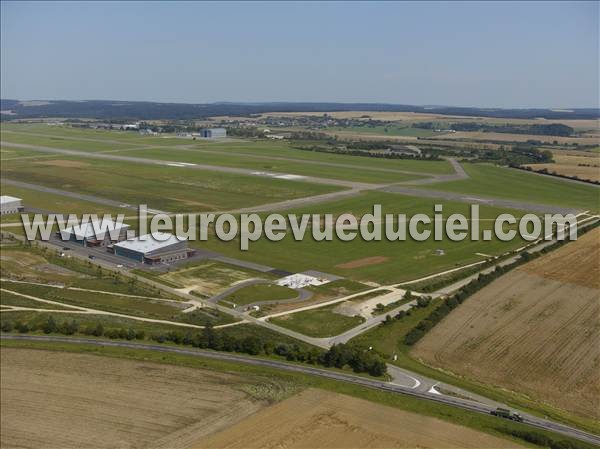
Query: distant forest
137, 110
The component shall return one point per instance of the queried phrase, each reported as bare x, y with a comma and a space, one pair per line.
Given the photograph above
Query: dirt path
80, 309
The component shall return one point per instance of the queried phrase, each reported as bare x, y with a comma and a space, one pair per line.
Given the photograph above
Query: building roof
150, 242
8, 199
87, 230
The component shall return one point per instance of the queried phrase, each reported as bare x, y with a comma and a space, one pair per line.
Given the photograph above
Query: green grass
145, 308
260, 292
10, 299
403, 260
26, 133
61, 143
321, 322
297, 167
261, 163
506, 183
174, 189
477, 421
58, 203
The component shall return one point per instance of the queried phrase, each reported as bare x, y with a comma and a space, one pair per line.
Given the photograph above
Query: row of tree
71, 327
339, 356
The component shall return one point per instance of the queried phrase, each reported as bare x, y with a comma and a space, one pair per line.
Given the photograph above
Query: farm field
410, 117
507, 137
166, 188
584, 165
533, 331
315, 418
378, 261
132, 404
499, 182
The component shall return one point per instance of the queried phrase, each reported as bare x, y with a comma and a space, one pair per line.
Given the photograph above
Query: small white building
95, 233
10, 205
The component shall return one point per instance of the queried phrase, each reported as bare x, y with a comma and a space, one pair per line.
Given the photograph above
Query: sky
481, 54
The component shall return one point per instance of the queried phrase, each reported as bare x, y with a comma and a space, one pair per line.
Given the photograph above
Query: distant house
10, 205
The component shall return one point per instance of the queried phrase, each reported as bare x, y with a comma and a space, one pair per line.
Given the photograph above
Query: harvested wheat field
321, 419
61, 400
573, 163
534, 330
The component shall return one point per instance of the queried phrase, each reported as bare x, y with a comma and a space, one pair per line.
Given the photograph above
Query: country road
342, 377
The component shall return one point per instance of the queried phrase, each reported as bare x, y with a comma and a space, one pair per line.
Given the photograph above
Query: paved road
357, 380
459, 173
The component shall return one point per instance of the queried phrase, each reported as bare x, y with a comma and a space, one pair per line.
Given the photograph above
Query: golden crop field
534, 330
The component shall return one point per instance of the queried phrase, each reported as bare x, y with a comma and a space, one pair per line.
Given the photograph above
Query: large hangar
10, 205
158, 247
95, 233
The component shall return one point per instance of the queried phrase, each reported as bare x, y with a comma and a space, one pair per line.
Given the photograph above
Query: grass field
167, 188
262, 163
507, 183
534, 331
321, 322
68, 144
226, 151
584, 165
207, 278
260, 292
382, 261
61, 204
86, 286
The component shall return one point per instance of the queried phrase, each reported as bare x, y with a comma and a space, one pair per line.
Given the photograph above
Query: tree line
338, 356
